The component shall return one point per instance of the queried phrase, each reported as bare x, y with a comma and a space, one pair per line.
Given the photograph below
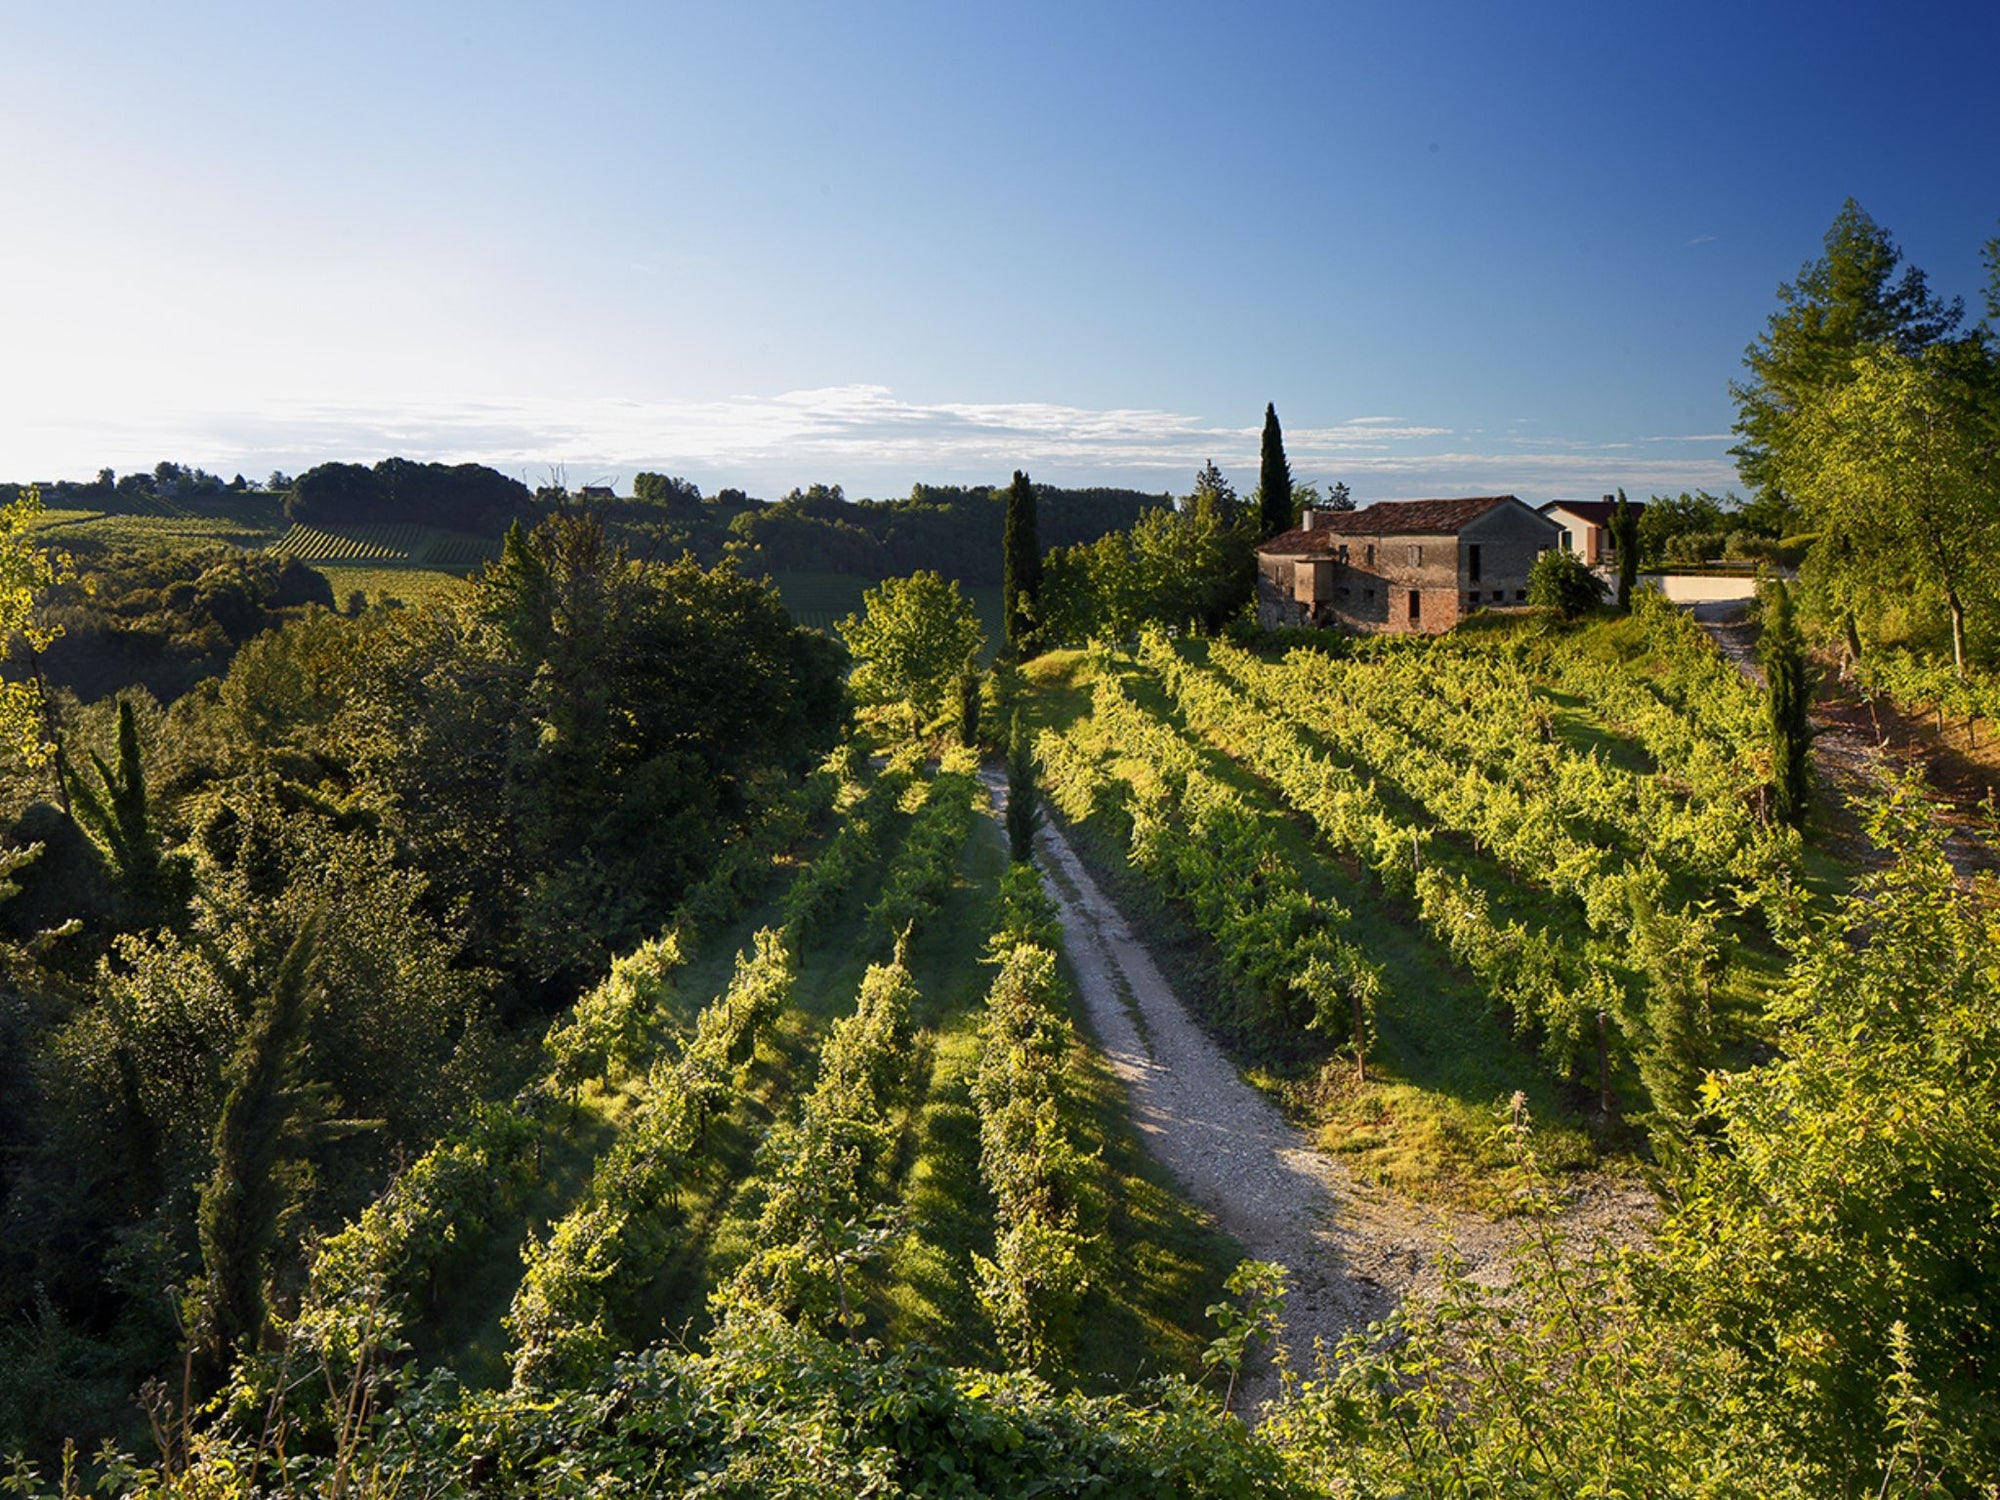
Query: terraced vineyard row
676, 1210
416, 546
1560, 881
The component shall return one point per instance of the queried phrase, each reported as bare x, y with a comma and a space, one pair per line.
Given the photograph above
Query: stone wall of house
1509, 541
1276, 604
1393, 573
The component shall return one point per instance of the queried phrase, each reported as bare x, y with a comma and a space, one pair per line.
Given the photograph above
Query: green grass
379, 585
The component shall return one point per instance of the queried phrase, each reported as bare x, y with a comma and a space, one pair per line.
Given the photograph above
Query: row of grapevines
1552, 984
1202, 845
309, 544
816, 895
1525, 814
926, 865
363, 1276
1917, 685
1692, 711
607, 1033
820, 1220
601, 1255
1486, 713
742, 870
366, 1280
1038, 1175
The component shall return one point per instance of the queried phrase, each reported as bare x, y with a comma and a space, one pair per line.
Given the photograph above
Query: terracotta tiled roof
1386, 518
1298, 541
1597, 512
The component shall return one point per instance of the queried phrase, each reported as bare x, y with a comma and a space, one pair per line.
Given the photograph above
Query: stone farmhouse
1402, 566
1586, 528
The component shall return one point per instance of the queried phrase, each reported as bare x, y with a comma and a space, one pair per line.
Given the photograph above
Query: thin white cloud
866, 438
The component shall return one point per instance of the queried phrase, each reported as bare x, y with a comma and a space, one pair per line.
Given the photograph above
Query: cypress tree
1024, 813
1787, 699
1021, 578
1274, 480
1625, 533
241, 1203
970, 685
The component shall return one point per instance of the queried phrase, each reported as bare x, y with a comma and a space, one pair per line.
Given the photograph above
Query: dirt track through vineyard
1353, 1251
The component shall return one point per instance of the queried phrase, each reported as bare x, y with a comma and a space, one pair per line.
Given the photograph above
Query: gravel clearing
1353, 1250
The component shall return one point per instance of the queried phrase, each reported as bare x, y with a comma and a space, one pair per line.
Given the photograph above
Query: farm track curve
1353, 1251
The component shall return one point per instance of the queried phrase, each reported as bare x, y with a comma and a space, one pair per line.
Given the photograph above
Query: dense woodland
583, 1034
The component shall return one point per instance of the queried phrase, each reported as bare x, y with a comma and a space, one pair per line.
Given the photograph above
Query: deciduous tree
910, 641
1849, 300
1560, 581
1897, 467
27, 572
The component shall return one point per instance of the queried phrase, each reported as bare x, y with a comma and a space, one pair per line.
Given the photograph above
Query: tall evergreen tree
1625, 535
1021, 580
1274, 480
1024, 813
970, 688
1788, 696
241, 1203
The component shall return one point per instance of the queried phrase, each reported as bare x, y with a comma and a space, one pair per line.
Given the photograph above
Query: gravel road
1353, 1250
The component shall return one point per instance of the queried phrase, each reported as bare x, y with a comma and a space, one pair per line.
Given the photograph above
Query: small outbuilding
1586, 526
1403, 566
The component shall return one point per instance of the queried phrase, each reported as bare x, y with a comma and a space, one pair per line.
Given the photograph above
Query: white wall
1701, 588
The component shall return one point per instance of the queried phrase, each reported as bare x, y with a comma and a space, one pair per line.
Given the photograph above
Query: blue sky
1464, 248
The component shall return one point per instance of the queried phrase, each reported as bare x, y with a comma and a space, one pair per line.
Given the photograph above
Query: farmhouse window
1472, 563
1416, 554
1416, 606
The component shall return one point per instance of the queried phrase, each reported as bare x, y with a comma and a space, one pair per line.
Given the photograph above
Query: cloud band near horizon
870, 441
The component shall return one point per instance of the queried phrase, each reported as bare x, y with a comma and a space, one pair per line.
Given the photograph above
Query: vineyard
163, 525
406, 545
809, 1096
1434, 873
